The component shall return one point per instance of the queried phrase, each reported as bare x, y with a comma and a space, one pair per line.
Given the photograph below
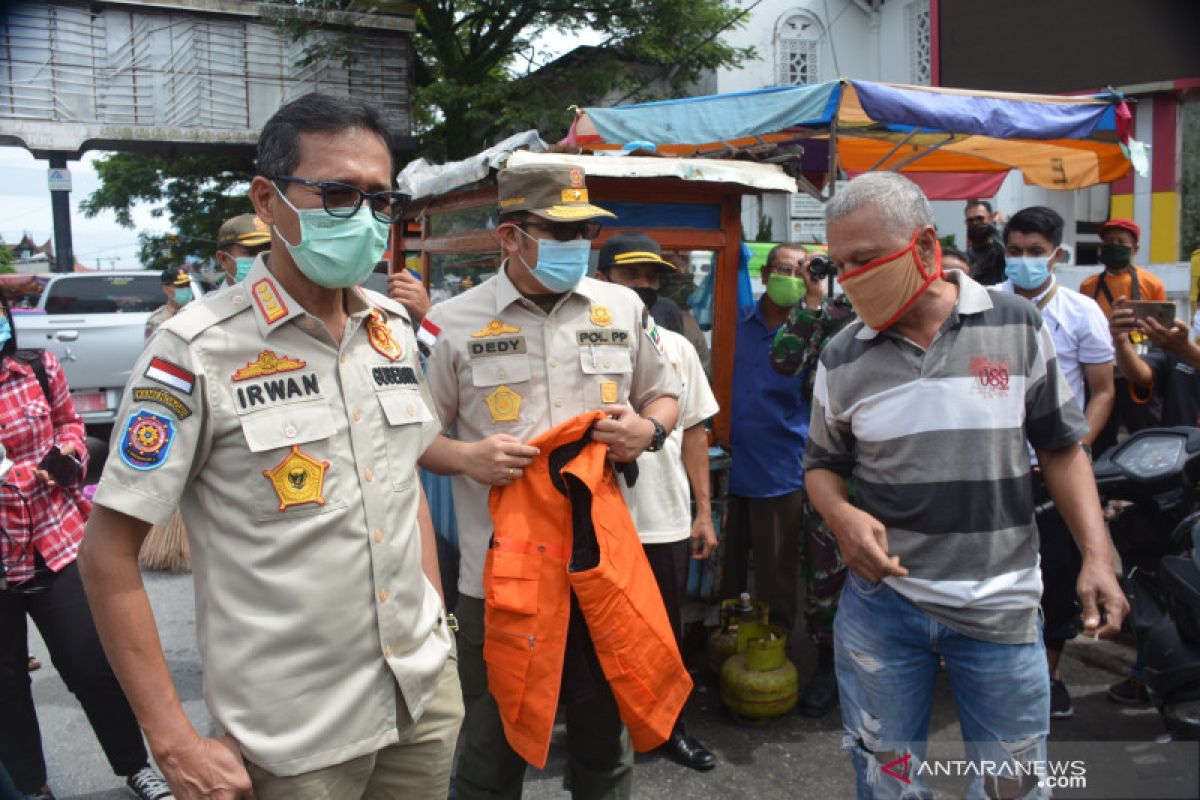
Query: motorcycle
1157, 535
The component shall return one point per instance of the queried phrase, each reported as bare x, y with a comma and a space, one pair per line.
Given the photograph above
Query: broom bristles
166, 547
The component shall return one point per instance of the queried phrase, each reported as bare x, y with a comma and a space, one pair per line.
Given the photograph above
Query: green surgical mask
183, 296
244, 263
785, 290
337, 252
1116, 256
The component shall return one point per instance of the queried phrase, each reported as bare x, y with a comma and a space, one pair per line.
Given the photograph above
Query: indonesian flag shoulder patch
428, 333
162, 371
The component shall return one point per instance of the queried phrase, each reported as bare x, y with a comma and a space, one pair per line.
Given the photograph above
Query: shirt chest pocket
488, 372
607, 372
27, 429
292, 469
406, 415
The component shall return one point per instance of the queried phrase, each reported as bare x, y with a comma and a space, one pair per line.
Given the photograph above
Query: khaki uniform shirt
293, 457
157, 318
502, 365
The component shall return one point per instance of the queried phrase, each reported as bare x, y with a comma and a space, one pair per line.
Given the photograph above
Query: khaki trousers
418, 766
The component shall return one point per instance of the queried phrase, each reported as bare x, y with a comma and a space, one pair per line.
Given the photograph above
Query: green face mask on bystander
785, 290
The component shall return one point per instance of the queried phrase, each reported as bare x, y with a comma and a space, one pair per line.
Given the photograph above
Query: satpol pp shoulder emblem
298, 479
504, 404
381, 338
147, 440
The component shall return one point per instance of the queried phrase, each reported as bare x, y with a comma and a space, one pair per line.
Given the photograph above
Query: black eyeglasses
568, 231
343, 200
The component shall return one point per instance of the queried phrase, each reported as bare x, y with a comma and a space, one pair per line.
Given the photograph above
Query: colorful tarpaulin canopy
955, 136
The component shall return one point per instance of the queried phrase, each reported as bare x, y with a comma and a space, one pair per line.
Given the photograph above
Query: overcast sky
100, 241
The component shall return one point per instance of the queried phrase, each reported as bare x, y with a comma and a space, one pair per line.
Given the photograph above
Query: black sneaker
1060, 700
1129, 692
148, 784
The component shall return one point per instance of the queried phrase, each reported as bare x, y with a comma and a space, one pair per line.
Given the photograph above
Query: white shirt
1079, 330
659, 501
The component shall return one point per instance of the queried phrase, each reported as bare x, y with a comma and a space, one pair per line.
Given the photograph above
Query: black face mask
978, 232
649, 296
1116, 257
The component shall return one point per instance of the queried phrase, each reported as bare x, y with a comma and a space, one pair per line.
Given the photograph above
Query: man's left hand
410, 293
625, 432
704, 538
1174, 339
1098, 589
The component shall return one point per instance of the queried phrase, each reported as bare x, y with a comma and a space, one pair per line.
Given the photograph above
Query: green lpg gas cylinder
759, 683
723, 642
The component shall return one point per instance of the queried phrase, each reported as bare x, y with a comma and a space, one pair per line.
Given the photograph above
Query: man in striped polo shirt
927, 402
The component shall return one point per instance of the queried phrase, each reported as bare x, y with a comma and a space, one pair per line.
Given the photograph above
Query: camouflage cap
552, 191
244, 229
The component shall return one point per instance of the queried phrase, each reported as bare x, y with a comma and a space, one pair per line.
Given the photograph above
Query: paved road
791, 758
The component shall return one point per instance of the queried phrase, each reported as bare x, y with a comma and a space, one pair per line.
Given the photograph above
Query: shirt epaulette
197, 317
386, 303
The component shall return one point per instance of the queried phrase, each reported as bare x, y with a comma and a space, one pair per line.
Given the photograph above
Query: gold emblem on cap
608, 392
298, 479
495, 328
268, 363
576, 178
504, 403
601, 316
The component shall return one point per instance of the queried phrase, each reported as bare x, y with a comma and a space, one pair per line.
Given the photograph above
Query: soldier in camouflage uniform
798, 345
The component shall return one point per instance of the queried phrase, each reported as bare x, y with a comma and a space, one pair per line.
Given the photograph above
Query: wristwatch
660, 436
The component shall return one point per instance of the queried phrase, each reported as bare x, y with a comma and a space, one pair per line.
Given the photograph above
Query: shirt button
554, 362
379, 536
342, 358
356, 415
238, 299
558, 403
501, 374
412, 411
606, 364
383, 595
368, 475
387, 652
290, 431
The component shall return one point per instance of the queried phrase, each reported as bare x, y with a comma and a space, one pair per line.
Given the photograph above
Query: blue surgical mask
183, 296
337, 252
560, 265
5, 330
1027, 272
244, 263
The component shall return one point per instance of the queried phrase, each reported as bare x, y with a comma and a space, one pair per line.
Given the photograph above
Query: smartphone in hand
63, 469
1163, 312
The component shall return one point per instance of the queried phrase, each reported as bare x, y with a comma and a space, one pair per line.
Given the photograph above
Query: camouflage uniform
798, 345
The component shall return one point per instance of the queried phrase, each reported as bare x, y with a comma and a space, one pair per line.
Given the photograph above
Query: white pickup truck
94, 323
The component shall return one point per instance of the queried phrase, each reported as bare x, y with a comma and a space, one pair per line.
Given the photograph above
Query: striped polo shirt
935, 441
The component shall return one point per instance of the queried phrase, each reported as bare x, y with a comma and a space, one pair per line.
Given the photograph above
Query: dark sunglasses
568, 231
343, 200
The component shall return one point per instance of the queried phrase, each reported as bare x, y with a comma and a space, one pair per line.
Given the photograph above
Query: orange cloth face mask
883, 289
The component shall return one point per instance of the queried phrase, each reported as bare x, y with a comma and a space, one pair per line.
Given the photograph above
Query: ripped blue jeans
887, 652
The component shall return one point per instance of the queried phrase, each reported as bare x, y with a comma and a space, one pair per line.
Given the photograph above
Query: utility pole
60, 204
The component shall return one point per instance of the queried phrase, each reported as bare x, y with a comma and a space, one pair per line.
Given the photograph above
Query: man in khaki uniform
239, 241
521, 353
286, 414
177, 286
